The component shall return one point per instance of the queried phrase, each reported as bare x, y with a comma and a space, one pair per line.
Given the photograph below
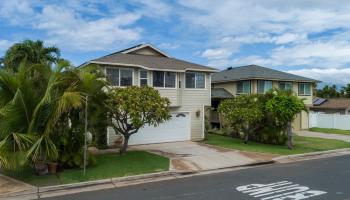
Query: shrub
262, 118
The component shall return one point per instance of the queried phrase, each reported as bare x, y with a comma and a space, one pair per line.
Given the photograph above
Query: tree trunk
290, 136
246, 133
125, 144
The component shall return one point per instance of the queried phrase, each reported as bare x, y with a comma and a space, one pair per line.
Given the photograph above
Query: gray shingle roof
220, 93
152, 62
256, 72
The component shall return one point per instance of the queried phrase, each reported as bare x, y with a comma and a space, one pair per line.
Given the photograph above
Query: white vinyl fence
336, 121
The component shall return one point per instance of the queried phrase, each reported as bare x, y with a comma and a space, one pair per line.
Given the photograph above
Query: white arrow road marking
283, 190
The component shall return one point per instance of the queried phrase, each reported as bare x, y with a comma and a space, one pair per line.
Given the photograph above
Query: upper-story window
143, 77
264, 86
164, 79
119, 76
286, 86
304, 89
195, 80
243, 87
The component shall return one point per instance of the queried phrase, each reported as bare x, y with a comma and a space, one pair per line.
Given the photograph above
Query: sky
305, 37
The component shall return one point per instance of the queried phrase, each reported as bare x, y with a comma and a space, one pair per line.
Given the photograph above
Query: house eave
272, 79
148, 68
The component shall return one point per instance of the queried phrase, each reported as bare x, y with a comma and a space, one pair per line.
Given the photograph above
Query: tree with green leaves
283, 107
243, 112
131, 108
37, 102
328, 92
345, 91
30, 52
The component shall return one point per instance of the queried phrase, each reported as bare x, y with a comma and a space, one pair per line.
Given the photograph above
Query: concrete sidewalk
10, 186
307, 133
193, 156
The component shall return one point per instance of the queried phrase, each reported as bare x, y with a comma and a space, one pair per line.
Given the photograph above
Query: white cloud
15, 11
218, 56
331, 75
4, 45
216, 53
152, 8
72, 31
288, 25
166, 45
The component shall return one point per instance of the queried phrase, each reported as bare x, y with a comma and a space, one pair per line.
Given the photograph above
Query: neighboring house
186, 84
256, 79
331, 106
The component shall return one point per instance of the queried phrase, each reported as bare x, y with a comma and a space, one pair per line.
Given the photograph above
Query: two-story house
187, 85
256, 79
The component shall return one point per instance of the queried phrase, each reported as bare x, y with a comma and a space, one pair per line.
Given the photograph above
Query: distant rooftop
333, 103
256, 72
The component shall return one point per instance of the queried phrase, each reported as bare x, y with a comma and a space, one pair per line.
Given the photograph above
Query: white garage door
178, 128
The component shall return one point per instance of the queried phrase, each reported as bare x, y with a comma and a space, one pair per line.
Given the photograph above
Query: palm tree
30, 52
30, 112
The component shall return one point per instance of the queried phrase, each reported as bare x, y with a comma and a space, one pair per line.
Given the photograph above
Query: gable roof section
127, 58
220, 93
135, 48
256, 72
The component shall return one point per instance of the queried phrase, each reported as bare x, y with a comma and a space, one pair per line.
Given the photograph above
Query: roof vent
229, 68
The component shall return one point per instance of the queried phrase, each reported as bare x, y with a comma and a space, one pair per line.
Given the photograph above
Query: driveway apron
193, 156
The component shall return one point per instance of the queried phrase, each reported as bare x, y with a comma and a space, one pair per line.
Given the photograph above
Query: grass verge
108, 166
330, 130
301, 145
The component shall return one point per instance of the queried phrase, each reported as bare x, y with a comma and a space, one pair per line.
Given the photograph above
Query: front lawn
330, 130
108, 166
301, 145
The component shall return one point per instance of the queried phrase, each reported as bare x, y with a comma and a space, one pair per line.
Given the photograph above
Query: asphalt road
327, 178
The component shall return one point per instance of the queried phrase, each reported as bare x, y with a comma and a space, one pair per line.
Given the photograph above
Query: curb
38, 191
312, 155
57, 190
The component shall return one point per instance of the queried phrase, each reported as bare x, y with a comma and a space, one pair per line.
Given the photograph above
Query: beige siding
232, 88
254, 86
308, 99
182, 100
171, 94
147, 51
194, 100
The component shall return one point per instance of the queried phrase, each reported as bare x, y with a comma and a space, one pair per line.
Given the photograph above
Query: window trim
143, 78
165, 88
250, 83
257, 86
119, 68
299, 94
291, 89
195, 81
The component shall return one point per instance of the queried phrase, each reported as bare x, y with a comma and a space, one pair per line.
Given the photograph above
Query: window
113, 75
304, 89
125, 77
119, 77
243, 87
164, 79
143, 77
285, 86
195, 80
264, 86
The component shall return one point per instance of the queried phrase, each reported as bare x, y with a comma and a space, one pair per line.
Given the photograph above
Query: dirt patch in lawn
259, 156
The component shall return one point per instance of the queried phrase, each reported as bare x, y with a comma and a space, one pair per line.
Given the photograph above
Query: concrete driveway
193, 156
306, 133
